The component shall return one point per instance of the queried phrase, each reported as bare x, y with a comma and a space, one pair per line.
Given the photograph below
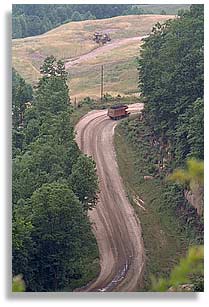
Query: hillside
72, 40
35, 19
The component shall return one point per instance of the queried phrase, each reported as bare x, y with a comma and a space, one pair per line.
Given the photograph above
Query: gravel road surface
115, 224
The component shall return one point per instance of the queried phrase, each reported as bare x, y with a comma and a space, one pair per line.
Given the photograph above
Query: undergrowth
169, 223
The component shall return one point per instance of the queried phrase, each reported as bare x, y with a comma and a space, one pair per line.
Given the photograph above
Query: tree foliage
18, 285
35, 19
194, 174
183, 272
84, 182
171, 78
61, 231
21, 96
191, 268
52, 240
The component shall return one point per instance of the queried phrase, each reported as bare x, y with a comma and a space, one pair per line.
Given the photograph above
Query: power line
102, 82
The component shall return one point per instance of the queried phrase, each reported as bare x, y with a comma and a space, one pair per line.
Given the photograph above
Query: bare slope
72, 40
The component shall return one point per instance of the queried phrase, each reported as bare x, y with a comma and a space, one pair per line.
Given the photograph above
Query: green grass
118, 77
165, 240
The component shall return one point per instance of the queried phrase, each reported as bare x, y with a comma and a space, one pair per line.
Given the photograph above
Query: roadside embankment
168, 228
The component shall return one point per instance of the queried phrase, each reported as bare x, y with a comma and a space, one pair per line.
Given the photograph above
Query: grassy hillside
75, 39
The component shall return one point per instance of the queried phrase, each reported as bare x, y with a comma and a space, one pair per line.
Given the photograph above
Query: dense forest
35, 19
171, 81
171, 72
53, 186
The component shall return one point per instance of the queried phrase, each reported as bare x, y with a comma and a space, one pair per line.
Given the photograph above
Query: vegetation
190, 269
161, 8
194, 174
72, 40
183, 273
169, 223
54, 184
34, 19
18, 284
21, 95
156, 9
171, 79
167, 134
53, 246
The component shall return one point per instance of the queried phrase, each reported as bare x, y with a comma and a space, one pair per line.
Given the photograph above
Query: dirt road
100, 50
115, 224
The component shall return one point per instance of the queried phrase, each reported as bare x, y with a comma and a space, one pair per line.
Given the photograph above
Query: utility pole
102, 82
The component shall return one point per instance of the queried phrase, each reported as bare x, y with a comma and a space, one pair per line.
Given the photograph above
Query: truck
118, 112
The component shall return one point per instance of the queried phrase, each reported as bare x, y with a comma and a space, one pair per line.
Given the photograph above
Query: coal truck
118, 112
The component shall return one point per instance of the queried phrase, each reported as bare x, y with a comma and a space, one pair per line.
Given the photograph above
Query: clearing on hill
83, 57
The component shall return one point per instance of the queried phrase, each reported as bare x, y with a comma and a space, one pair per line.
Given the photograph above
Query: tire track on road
116, 226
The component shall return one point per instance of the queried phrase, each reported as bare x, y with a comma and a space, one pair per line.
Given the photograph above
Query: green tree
33, 19
196, 130
84, 181
16, 27
76, 16
52, 94
18, 137
22, 244
194, 174
21, 95
171, 70
48, 69
58, 253
34, 25
62, 237
31, 131
18, 284
182, 273
190, 269
193, 179
60, 70
89, 16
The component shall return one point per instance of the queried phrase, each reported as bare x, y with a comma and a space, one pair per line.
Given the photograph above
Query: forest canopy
34, 19
53, 246
171, 79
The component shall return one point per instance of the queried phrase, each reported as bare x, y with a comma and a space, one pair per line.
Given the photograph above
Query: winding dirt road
116, 227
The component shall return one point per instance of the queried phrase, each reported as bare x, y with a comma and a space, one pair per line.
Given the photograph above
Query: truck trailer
118, 112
